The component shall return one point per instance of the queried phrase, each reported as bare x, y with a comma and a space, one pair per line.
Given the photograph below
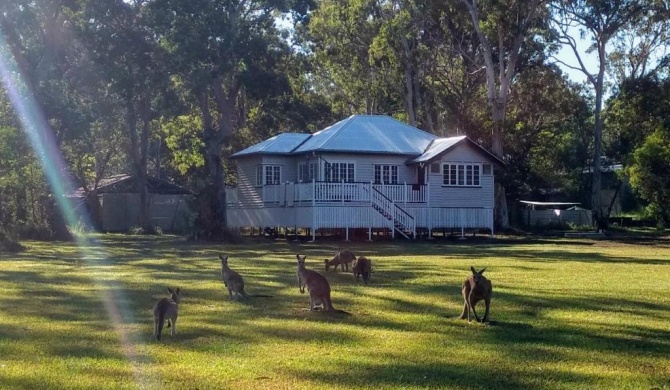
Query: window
268, 174
338, 172
306, 172
461, 175
386, 174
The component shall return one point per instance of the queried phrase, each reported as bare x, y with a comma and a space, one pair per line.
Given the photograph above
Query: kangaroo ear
482, 271
297, 257
473, 270
170, 290
177, 290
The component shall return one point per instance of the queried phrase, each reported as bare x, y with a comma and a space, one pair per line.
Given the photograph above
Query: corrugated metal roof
363, 134
438, 146
441, 145
283, 143
124, 183
368, 134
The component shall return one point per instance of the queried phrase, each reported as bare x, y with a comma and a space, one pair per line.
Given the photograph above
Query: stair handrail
405, 219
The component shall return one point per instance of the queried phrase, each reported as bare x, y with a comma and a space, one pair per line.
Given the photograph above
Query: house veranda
365, 172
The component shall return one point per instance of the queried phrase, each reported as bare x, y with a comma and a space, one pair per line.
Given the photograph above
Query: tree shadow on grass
391, 373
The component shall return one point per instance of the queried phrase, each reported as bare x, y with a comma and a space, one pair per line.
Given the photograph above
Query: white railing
290, 193
271, 192
341, 192
403, 193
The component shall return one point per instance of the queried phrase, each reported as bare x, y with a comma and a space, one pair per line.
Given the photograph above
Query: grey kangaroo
166, 309
342, 259
317, 286
474, 289
233, 281
362, 266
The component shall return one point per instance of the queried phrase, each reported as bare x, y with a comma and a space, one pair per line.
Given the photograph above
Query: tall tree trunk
207, 223
140, 169
143, 189
409, 83
498, 87
212, 204
501, 209
596, 185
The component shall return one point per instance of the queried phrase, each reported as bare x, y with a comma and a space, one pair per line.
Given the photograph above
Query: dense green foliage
170, 88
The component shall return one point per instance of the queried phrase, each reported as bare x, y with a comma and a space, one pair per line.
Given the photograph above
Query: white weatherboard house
365, 172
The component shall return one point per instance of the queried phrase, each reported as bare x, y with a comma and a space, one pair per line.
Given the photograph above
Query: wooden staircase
403, 222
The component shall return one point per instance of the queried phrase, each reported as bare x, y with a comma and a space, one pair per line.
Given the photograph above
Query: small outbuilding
114, 206
558, 214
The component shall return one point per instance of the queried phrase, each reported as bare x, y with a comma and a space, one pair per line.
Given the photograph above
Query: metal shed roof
283, 143
124, 183
368, 134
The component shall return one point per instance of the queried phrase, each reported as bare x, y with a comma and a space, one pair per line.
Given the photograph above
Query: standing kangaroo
233, 281
362, 266
166, 309
317, 286
342, 259
475, 288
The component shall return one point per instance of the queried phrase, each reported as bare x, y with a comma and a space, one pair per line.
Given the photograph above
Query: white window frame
268, 174
461, 174
386, 174
333, 172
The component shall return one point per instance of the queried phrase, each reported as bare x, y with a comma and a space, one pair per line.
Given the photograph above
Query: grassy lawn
566, 314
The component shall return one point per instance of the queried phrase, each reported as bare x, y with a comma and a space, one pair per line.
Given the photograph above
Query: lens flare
46, 149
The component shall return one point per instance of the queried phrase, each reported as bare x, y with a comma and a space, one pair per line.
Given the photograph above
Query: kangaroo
475, 288
342, 259
317, 286
233, 281
166, 309
362, 266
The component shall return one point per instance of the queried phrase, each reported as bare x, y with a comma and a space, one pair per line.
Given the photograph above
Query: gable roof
283, 143
441, 146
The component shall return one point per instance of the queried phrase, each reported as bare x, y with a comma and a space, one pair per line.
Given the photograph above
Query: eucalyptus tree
548, 145
642, 48
36, 59
122, 46
601, 21
221, 51
454, 75
340, 37
504, 29
403, 43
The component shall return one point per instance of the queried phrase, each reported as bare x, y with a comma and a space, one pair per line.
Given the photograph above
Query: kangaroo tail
159, 323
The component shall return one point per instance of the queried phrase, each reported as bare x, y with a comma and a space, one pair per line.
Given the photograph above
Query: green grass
566, 314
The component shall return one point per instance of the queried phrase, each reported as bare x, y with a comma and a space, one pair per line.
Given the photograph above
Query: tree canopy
170, 88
